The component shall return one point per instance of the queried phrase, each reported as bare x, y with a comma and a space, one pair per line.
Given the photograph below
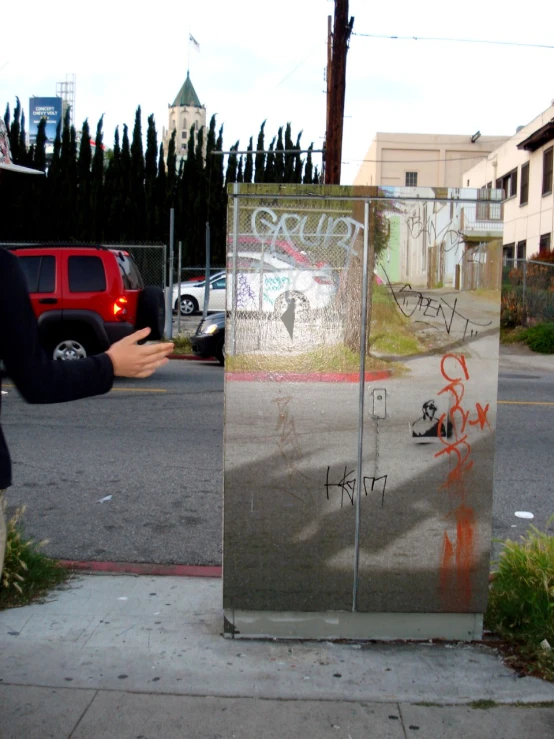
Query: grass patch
539, 338
28, 574
182, 345
512, 335
483, 704
338, 358
521, 602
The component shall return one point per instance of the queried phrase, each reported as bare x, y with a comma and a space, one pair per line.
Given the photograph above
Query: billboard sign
49, 108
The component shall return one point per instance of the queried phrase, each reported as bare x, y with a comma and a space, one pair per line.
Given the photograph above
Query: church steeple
187, 95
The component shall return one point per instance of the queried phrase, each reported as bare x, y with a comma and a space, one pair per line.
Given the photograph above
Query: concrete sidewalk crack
402, 720
81, 717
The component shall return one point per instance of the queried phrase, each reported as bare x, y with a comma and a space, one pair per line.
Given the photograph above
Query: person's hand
130, 359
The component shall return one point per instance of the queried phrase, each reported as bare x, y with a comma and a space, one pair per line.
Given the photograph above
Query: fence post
207, 282
524, 286
179, 287
169, 288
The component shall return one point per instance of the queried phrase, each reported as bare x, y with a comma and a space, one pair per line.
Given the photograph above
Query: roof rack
14, 247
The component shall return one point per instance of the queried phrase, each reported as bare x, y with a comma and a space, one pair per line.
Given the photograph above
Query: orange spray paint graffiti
458, 557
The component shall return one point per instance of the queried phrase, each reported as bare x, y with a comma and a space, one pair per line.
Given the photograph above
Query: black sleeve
38, 378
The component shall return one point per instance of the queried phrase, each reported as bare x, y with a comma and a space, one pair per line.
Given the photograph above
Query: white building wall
522, 222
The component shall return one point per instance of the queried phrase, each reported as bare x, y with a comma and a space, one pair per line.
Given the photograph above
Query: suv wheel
151, 312
69, 349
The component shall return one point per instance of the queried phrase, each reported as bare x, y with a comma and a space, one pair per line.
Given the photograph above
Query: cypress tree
97, 184
23, 141
289, 156
231, 174
309, 168
7, 116
240, 175
54, 184
151, 167
160, 197
171, 170
259, 167
297, 175
14, 132
269, 174
112, 192
39, 153
136, 228
125, 187
249, 165
279, 159
316, 177
84, 185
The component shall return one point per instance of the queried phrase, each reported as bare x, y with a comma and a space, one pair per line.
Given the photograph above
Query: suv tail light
120, 309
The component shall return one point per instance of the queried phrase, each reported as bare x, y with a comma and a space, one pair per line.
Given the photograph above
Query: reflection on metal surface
329, 507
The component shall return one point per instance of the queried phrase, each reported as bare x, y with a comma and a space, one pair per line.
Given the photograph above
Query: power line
454, 40
299, 65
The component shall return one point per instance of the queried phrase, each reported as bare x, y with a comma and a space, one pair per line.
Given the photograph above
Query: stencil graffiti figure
289, 315
430, 425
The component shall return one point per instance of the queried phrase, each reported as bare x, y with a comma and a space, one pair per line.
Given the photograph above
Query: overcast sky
266, 61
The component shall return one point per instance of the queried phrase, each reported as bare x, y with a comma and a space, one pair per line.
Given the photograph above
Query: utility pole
336, 91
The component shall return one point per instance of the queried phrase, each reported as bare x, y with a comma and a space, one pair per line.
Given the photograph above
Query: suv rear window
86, 275
40, 273
129, 272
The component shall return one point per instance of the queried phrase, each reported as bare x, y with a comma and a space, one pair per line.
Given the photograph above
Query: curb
132, 568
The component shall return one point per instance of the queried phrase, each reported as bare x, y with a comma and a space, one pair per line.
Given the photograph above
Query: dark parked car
209, 339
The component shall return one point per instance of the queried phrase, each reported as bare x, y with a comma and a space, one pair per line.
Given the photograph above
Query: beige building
522, 167
423, 160
185, 112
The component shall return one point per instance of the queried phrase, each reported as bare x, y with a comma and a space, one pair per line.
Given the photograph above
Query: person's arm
39, 379
42, 380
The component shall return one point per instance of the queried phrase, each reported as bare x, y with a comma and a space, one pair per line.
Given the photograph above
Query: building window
521, 249
183, 134
544, 244
524, 189
547, 172
411, 179
508, 183
508, 254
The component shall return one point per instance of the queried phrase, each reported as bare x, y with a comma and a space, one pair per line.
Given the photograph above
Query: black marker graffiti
347, 486
411, 302
449, 237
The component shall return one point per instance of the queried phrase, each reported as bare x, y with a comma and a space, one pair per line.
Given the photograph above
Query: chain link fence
527, 292
481, 267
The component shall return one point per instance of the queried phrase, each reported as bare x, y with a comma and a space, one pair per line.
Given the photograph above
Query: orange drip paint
465, 523
446, 564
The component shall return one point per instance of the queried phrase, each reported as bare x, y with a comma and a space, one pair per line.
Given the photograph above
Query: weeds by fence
527, 292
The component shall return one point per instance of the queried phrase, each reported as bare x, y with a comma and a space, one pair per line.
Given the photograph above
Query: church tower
185, 112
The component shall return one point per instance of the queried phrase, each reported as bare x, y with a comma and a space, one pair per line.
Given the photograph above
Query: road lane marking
525, 402
137, 390
121, 389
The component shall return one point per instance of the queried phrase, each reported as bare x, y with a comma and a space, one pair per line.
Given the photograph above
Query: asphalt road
156, 447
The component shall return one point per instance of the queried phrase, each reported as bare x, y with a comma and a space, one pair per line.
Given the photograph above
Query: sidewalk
127, 657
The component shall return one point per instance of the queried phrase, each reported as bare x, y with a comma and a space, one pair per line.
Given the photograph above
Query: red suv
87, 297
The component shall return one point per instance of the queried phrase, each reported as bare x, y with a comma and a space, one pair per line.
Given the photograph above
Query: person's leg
2, 530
